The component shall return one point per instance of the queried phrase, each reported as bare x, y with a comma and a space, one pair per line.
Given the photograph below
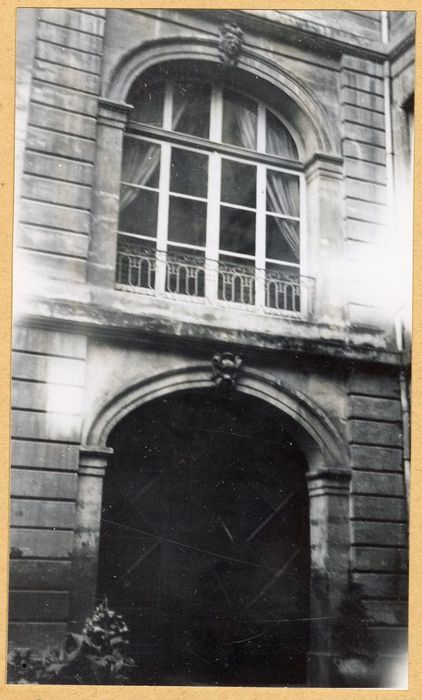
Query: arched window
210, 203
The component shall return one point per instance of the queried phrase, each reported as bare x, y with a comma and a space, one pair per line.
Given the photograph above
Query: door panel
204, 542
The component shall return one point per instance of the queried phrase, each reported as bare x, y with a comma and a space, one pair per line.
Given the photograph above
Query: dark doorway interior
204, 542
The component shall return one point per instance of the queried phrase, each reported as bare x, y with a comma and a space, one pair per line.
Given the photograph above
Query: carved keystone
230, 43
226, 367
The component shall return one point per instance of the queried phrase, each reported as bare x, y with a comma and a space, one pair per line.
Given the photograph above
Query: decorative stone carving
230, 43
226, 367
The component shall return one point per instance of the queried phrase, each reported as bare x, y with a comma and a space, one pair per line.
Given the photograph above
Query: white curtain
136, 168
245, 121
283, 197
279, 140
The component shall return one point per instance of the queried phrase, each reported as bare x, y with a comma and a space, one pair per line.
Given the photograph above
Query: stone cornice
311, 34
93, 320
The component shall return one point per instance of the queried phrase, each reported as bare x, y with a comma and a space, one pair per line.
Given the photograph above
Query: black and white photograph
212, 323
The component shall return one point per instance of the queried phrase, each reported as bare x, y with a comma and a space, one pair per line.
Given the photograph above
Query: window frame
216, 150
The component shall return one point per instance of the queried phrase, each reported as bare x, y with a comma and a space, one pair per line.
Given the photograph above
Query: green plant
96, 656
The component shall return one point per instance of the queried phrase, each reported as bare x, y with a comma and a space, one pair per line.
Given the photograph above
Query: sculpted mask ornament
230, 43
226, 367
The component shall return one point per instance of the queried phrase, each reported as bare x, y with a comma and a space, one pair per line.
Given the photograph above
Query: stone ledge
141, 324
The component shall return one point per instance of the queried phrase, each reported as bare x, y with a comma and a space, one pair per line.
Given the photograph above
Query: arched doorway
204, 543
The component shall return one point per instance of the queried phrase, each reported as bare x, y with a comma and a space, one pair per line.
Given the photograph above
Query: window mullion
305, 291
213, 227
216, 115
260, 241
163, 215
168, 107
261, 136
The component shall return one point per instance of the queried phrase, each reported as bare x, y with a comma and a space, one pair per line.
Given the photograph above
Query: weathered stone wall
365, 187
379, 506
48, 375
59, 103
100, 341
52, 238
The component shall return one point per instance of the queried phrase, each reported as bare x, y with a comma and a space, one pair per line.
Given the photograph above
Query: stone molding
93, 460
113, 113
329, 482
320, 440
307, 113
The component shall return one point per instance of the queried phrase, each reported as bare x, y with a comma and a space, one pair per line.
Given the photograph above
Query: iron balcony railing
222, 283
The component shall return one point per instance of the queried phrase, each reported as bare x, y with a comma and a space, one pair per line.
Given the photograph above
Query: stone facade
86, 353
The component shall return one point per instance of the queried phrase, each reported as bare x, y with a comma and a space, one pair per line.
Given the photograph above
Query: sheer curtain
278, 139
245, 121
283, 198
137, 169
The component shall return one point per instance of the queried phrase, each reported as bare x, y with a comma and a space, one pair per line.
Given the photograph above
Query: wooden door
204, 543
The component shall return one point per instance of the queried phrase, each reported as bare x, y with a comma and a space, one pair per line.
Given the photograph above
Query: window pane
135, 262
189, 172
283, 242
141, 162
237, 231
148, 102
138, 211
282, 288
191, 109
239, 120
279, 140
185, 272
238, 183
282, 193
236, 280
187, 221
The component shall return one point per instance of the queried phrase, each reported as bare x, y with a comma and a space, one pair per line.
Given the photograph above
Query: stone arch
328, 489
314, 129
319, 439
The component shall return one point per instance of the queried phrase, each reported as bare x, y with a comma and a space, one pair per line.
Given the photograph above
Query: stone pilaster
92, 465
112, 119
329, 505
322, 253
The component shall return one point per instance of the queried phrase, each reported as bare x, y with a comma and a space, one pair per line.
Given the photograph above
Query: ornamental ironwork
226, 368
230, 44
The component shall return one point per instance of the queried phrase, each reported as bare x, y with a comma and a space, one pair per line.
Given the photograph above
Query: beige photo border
7, 120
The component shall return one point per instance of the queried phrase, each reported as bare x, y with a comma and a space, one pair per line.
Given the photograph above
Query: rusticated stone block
46, 214
71, 38
379, 508
393, 534
64, 98
49, 514
36, 635
65, 56
376, 458
51, 241
59, 168
372, 433
378, 483
72, 19
36, 605
39, 575
61, 193
387, 560
67, 77
46, 426
35, 483
374, 408
61, 145
50, 455
29, 543
50, 117
51, 369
